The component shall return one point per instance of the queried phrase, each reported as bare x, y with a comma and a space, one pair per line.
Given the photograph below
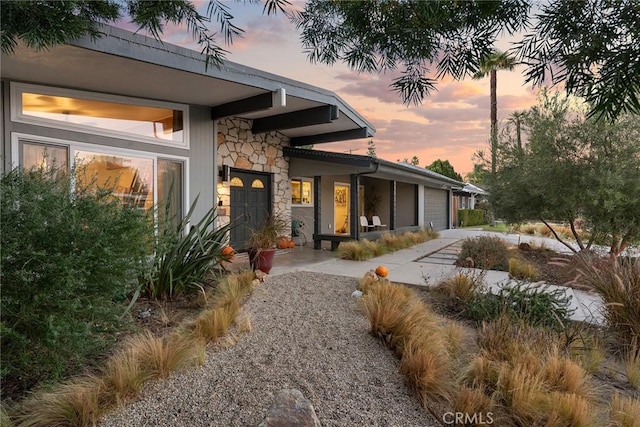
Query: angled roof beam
296, 119
330, 137
260, 102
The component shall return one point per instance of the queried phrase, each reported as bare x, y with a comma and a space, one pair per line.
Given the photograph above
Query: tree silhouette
490, 66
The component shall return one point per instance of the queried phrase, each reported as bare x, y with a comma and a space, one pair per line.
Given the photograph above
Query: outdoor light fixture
279, 98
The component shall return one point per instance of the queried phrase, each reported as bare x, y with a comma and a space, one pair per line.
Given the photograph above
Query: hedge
469, 217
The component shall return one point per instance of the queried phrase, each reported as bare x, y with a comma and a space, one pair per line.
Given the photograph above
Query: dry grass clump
83, 400
463, 286
427, 366
415, 333
523, 370
213, 323
365, 249
234, 287
565, 375
160, 356
571, 410
618, 284
473, 401
374, 247
393, 241
528, 229
355, 251
631, 364
522, 270
74, 403
124, 375
625, 411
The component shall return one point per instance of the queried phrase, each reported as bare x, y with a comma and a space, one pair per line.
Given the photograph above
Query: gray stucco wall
406, 205
304, 214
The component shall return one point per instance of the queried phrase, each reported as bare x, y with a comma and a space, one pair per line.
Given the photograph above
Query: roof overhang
307, 163
128, 64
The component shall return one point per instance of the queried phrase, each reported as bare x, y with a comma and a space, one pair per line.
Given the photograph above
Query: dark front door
250, 204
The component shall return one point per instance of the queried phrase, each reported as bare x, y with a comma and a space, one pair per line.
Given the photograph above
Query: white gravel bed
308, 333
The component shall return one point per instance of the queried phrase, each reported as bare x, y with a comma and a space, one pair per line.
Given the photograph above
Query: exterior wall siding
201, 158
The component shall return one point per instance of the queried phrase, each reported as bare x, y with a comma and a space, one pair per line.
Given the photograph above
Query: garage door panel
436, 208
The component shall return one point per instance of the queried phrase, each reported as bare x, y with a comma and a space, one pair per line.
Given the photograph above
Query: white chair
376, 222
364, 224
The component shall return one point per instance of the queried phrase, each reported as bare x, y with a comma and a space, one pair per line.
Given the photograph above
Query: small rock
290, 409
256, 282
356, 294
261, 275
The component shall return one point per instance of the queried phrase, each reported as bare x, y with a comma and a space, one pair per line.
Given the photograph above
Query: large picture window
149, 121
138, 179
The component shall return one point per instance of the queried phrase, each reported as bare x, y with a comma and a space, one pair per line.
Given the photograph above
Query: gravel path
309, 334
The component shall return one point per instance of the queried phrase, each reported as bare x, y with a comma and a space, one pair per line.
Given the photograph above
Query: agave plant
184, 254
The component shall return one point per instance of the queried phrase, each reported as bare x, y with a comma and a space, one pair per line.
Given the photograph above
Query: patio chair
364, 224
377, 223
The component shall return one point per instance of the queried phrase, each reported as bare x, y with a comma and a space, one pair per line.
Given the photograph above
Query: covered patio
350, 190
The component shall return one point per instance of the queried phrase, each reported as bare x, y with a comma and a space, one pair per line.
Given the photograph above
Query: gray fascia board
155, 52
437, 179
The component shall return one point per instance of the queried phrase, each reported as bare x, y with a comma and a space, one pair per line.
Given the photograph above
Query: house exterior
469, 195
153, 119
332, 191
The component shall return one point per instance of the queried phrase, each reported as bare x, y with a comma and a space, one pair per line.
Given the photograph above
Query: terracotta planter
261, 259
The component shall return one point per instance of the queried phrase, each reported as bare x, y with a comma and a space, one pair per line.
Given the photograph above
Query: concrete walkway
428, 264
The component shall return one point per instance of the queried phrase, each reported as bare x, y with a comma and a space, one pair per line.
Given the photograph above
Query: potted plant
261, 245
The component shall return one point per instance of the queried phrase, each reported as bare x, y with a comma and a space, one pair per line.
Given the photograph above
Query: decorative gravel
308, 333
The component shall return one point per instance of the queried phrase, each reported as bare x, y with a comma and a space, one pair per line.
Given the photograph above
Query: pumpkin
382, 271
292, 244
227, 253
283, 243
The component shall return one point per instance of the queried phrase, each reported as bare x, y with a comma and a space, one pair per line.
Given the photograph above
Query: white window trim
303, 205
74, 146
17, 116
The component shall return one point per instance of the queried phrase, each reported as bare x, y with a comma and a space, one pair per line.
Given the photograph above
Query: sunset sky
451, 124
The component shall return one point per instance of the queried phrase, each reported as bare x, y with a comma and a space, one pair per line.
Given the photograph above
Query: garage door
436, 208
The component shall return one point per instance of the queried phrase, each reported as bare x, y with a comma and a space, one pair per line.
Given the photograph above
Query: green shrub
182, 259
487, 252
469, 217
535, 305
67, 259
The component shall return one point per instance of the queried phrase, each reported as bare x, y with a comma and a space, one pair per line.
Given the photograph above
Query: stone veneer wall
239, 148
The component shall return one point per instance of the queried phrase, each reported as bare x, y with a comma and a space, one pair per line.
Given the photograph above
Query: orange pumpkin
382, 271
292, 244
282, 243
227, 253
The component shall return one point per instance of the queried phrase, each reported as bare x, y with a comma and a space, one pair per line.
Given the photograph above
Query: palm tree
490, 65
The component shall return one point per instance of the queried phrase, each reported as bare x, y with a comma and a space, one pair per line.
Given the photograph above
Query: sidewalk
413, 267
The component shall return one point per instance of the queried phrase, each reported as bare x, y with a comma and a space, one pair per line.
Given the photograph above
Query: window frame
301, 180
17, 89
73, 146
